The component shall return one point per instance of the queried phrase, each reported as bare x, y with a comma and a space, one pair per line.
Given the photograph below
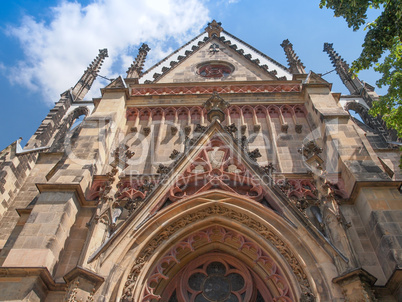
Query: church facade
217, 174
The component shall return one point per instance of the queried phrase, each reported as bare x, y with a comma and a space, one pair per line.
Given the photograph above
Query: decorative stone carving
232, 129
146, 130
221, 211
131, 193
284, 185
214, 29
201, 89
243, 129
257, 127
187, 130
162, 169
284, 128
268, 169
200, 128
216, 107
214, 48
298, 128
244, 142
215, 168
226, 237
173, 130
146, 186
310, 149
174, 154
254, 154
120, 156
189, 141
72, 292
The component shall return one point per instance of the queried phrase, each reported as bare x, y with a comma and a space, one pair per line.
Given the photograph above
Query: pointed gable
215, 61
212, 160
117, 83
244, 62
215, 167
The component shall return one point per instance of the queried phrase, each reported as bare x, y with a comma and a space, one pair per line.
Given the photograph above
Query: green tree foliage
383, 39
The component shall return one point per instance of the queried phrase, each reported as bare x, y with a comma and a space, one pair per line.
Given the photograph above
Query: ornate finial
214, 29
216, 107
135, 69
84, 84
353, 84
295, 64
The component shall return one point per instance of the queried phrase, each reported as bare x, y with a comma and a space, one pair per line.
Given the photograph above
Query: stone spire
342, 69
135, 69
295, 64
84, 84
214, 29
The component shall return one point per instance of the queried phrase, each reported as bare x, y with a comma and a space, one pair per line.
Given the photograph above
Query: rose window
215, 70
216, 281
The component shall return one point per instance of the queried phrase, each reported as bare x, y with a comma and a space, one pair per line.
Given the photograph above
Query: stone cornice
41, 272
371, 184
84, 273
76, 188
209, 88
360, 273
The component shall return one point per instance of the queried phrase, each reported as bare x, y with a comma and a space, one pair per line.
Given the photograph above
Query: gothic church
218, 174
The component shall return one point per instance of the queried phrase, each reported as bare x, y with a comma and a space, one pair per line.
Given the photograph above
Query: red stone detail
273, 274
214, 71
94, 192
195, 112
130, 189
131, 114
199, 89
299, 188
203, 175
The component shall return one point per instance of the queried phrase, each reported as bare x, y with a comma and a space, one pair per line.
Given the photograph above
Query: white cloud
57, 52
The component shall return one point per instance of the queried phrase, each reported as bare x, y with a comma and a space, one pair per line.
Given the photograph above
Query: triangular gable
117, 83
213, 161
242, 49
314, 78
216, 61
199, 172
216, 167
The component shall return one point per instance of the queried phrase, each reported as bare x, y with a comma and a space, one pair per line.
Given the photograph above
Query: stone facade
216, 175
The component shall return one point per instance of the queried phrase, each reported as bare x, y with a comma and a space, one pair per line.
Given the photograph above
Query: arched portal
215, 223
217, 264
216, 277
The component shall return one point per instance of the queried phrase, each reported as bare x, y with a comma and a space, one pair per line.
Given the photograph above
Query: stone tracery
149, 249
272, 273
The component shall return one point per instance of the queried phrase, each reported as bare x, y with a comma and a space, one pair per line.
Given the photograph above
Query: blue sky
47, 44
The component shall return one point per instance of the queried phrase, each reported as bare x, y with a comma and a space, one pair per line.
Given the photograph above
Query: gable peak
214, 29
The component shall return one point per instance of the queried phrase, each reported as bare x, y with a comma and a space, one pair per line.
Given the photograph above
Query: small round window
215, 69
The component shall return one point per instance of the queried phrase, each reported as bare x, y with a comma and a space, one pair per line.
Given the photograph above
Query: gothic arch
272, 234
67, 123
361, 110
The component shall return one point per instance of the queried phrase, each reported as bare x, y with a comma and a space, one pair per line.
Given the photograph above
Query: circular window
216, 280
215, 69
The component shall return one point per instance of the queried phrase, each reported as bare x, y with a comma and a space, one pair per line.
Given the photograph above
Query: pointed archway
187, 236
